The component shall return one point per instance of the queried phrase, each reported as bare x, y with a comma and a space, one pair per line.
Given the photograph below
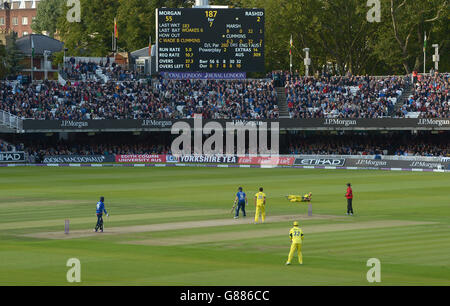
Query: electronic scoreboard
210, 40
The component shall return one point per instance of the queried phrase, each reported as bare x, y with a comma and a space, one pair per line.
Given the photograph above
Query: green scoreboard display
210, 40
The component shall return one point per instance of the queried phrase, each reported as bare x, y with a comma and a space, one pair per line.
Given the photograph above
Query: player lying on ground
298, 198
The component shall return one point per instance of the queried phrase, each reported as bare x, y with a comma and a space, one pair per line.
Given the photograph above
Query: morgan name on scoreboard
210, 40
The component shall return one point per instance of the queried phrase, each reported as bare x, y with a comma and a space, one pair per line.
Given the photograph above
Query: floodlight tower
307, 61
201, 3
436, 57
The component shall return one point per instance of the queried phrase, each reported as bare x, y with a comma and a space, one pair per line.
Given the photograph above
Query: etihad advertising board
12, 157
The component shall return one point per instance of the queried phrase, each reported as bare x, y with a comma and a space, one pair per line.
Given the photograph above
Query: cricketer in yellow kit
296, 235
260, 203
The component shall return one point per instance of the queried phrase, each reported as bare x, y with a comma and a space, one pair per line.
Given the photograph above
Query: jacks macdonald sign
31, 126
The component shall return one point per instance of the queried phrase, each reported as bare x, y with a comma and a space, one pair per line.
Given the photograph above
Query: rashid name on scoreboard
210, 40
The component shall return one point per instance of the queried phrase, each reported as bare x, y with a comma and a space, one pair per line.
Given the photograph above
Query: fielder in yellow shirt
260, 203
296, 235
298, 198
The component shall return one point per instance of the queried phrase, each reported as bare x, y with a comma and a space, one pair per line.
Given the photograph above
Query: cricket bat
234, 206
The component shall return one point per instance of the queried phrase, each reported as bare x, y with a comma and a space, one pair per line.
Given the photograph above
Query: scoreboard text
210, 40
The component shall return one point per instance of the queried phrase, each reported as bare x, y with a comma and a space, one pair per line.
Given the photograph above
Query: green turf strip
36, 199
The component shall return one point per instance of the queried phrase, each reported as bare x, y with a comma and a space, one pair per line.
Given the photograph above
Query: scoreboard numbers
210, 40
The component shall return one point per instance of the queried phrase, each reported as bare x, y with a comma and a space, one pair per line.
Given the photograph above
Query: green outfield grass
153, 236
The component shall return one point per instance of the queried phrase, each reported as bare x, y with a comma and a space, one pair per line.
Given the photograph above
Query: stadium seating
401, 144
88, 96
8, 147
84, 100
430, 98
343, 97
368, 143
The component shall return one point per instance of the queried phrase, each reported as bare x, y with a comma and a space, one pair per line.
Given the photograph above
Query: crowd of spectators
395, 144
80, 70
430, 97
117, 73
307, 143
77, 71
67, 148
249, 99
164, 99
7, 147
124, 97
342, 96
39, 146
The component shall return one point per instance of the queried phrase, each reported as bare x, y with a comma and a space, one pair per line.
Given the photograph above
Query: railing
11, 121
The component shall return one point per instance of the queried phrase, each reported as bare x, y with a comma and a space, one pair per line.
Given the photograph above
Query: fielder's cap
295, 223
240, 188
102, 199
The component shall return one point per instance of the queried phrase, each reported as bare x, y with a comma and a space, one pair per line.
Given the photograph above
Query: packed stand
292, 143
117, 73
307, 97
399, 145
164, 99
7, 147
81, 70
249, 99
67, 148
430, 97
342, 96
102, 71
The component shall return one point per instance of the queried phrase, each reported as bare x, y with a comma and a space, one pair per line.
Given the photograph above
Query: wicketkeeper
99, 213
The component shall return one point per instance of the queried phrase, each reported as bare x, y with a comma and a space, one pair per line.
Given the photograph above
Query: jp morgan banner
401, 164
12, 157
368, 124
31, 126
364, 163
96, 125
69, 159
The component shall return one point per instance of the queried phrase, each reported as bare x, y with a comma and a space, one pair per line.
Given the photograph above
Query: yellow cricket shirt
296, 234
260, 196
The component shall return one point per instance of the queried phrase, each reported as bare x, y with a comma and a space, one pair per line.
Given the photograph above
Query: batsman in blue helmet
241, 201
99, 213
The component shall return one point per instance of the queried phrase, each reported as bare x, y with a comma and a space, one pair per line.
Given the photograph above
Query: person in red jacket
349, 196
